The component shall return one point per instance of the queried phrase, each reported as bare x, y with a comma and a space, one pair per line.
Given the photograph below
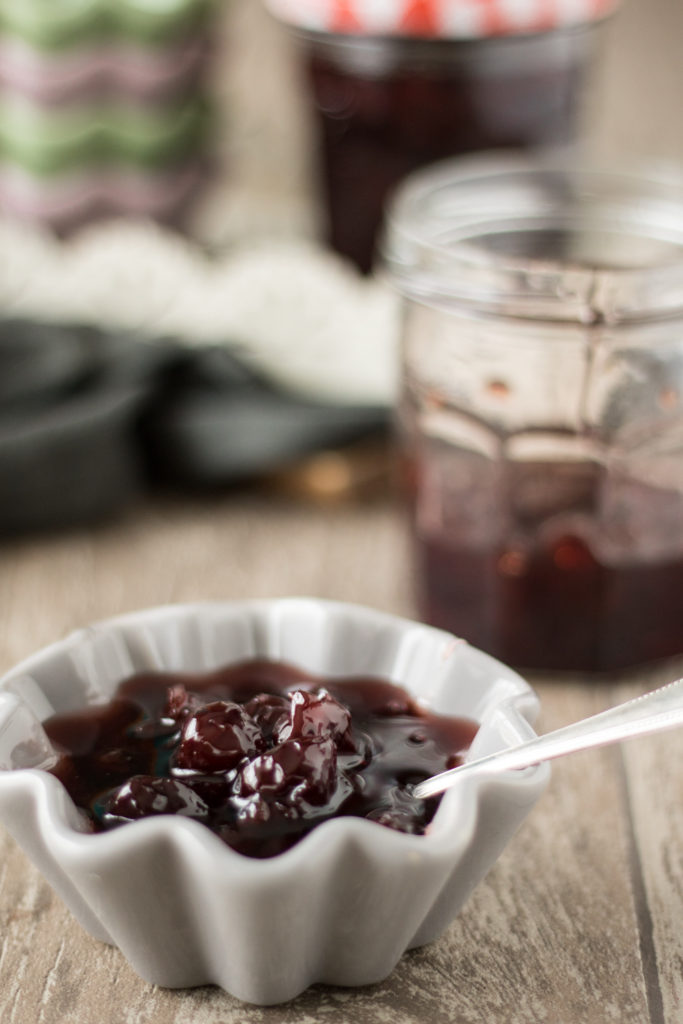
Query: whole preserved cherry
217, 737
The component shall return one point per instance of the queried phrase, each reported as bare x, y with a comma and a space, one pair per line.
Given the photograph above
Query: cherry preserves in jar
542, 407
397, 85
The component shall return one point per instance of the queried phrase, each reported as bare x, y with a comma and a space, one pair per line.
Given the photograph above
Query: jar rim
540, 236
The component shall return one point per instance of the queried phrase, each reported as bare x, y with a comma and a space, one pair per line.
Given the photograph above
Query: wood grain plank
253, 547
654, 789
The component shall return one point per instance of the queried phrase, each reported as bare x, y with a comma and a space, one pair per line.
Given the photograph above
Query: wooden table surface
580, 921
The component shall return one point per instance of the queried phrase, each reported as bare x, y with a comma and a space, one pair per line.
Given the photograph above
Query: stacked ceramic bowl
102, 107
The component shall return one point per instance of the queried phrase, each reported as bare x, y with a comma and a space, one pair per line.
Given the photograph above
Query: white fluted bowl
342, 905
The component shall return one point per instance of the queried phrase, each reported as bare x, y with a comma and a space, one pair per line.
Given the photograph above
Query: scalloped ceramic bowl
341, 906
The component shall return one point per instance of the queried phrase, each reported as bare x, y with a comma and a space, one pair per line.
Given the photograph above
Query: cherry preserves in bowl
260, 752
186, 908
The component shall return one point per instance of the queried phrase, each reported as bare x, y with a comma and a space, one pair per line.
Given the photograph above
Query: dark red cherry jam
386, 107
554, 607
259, 751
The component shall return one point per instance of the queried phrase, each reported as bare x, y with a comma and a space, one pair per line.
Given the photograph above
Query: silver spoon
652, 712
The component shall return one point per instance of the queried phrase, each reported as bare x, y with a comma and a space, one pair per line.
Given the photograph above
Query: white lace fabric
288, 307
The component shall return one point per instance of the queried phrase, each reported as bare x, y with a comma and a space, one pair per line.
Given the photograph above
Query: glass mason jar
397, 85
542, 407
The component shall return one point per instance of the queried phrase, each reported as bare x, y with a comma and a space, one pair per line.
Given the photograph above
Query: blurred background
176, 312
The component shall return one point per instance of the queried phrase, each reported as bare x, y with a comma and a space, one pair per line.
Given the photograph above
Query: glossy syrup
260, 752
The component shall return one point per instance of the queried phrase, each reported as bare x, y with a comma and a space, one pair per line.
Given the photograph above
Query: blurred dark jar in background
542, 407
398, 84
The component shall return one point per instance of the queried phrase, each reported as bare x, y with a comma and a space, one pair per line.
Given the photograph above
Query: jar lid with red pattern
439, 18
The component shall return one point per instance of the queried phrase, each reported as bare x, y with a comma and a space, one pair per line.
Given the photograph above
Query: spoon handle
658, 710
